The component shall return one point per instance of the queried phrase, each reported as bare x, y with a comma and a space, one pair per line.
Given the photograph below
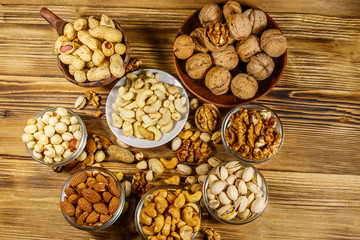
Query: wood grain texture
314, 180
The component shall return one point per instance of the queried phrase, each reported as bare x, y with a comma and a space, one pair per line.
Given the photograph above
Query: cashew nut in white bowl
172, 89
153, 108
126, 114
142, 95
121, 102
131, 106
159, 86
139, 114
131, 76
159, 94
151, 100
176, 116
128, 129
156, 131
139, 83
152, 81
136, 131
116, 120
124, 94
156, 115
179, 106
149, 121
170, 105
167, 128
165, 116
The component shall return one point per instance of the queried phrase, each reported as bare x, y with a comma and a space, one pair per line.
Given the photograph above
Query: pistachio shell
242, 188
232, 192
214, 204
252, 187
241, 203
248, 174
222, 173
224, 199
212, 179
213, 161
231, 179
250, 199
218, 187
201, 179
239, 173
184, 169
209, 194
227, 212
233, 166
244, 214
203, 169
257, 205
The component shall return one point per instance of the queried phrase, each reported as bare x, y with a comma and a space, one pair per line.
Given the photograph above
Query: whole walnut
273, 42
198, 38
231, 8
260, 66
239, 26
183, 47
216, 36
244, 86
217, 80
226, 57
258, 20
248, 48
210, 13
197, 65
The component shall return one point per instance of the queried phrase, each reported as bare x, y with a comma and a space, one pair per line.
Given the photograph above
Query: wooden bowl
198, 88
59, 24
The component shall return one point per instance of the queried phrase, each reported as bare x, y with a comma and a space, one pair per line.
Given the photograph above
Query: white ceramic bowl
143, 143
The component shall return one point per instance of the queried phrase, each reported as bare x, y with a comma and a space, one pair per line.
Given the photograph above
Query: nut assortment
170, 213
92, 49
54, 136
91, 199
235, 191
253, 133
233, 38
146, 107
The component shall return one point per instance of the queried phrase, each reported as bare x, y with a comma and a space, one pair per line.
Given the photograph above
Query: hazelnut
248, 48
244, 86
218, 79
257, 19
210, 13
216, 36
198, 38
239, 26
273, 42
197, 65
226, 57
260, 66
183, 47
231, 8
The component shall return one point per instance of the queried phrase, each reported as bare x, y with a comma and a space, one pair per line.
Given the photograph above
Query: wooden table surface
314, 181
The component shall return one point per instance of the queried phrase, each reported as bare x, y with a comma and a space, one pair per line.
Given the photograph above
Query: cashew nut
161, 193
142, 95
136, 131
126, 114
169, 163
116, 120
187, 215
172, 89
170, 105
131, 106
176, 116
159, 94
179, 106
192, 197
159, 223
155, 115
168, 127
128, 129
161, 204
121, 102
124, 94
144, 218
146, 133
154, 107
156, 132
174, 180
165, 116
180, 201
194, 206
176, 236
151, 100
152, 81
149, 121
139, 114
131, 76
186, 232
171, 198
175, 213
150, 210
197, 226
149, 231
158, 86
138, 83
166, 229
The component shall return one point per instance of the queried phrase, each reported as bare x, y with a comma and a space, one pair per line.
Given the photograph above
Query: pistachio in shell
239, 26
257, 19
248, 48
226, 57
273, 42
210, 13
244, 86
183, 47
198, 38
198, 65
260, 66
231, 8
218, 79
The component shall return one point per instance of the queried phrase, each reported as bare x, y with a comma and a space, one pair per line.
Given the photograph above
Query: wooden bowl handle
54, 20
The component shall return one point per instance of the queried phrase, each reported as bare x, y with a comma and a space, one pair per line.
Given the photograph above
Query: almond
78, 211
104, 218
92, 183
93, 217
90, 195
78, 178
97, 224
69, 191
100, 208
100, 187
91, 145
73, 219
90, 179
71, 165
114, 205
81, 186
78, 167
81, 219
67, 208
114, 190
89, 160
101, 178
107, 196
112, 180
85, 205
74, 198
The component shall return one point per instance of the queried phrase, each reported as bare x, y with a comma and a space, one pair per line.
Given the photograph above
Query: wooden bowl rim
177, 66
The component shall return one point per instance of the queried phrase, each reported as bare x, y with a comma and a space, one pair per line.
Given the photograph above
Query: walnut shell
198, 38
210, 13
218, 79
257, 19
223, 35
273, 42
197, 65
226, 57
244, 86
231, 8
248, 48
260, 66
183, 47
239, 26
